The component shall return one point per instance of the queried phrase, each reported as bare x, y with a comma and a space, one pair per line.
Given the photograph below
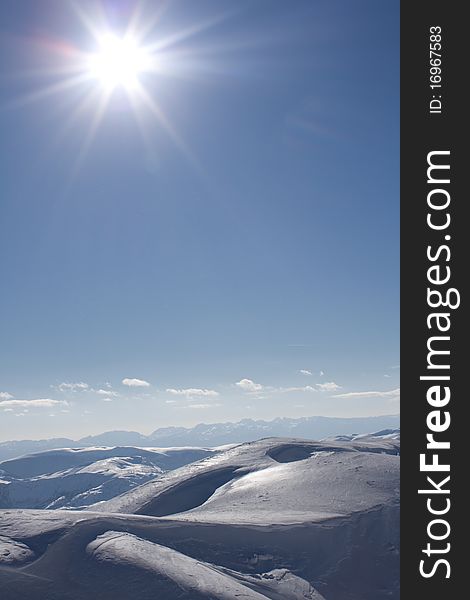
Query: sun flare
118, 62
130, 59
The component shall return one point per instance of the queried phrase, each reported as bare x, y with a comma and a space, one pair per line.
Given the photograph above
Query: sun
131, 59
118, 62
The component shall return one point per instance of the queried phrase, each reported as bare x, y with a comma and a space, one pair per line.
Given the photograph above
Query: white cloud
193, 392
108, 400
171, 401
304, 388
305, 372
247, 385
73, 387
135, 382
39, 403
203, 406
108, 393
373, 394
5, 396
7, 410
254, 389
328, 386
322, 373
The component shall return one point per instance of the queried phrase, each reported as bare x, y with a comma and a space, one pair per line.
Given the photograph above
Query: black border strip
423, 132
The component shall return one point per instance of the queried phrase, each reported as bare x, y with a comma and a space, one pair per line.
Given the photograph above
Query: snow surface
73, 478
13, 552
283, 519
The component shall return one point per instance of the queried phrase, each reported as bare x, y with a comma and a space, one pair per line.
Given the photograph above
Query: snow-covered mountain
278, 518
249, 430
390, 434
215, 434
73, 478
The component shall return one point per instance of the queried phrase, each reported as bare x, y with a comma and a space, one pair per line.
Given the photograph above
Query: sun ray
184, 34
51, 90
92, 130
95, 25
50, 71
144, 130
140, 24
85, 105
142, 95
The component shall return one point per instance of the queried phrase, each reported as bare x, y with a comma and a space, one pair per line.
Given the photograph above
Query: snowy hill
283, 519
72, 478
214, 434
271, 476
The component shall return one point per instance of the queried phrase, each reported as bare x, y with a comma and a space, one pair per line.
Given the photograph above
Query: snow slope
279, 518
201, 580
72, 478
274, 481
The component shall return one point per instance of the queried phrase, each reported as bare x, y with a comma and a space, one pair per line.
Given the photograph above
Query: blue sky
236, 253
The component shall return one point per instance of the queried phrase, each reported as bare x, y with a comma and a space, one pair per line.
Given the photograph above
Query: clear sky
218, 240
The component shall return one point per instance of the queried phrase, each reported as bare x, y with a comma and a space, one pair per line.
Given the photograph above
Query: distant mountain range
215, 434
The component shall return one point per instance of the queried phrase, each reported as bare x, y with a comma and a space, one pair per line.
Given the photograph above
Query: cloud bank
39, 403
372, 394
192, 392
